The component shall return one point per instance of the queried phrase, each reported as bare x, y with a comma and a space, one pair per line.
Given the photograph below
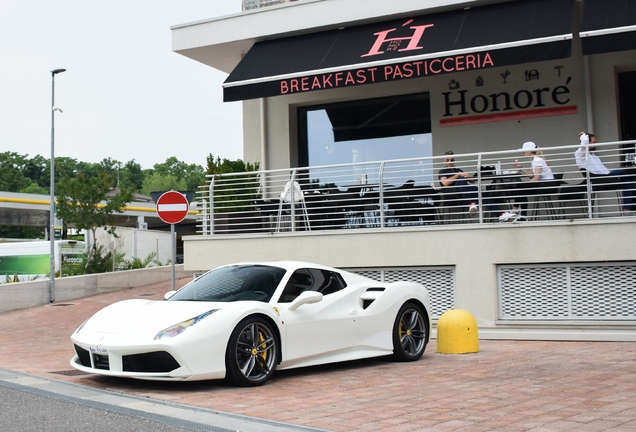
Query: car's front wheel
252, 352
410, 333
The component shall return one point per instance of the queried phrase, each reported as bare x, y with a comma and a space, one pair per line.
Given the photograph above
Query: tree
241, 191
37, 170
224, 166
85, 202
192, 174
34, 188
12, 168
156, 182
132, 175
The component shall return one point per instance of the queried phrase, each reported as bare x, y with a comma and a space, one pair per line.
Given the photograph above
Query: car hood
146, 317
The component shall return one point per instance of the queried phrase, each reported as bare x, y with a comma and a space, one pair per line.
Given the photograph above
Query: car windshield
233, 283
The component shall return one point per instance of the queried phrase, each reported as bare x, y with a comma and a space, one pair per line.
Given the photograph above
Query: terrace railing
407, 192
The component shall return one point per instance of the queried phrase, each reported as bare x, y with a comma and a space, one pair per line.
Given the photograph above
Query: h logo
395, 43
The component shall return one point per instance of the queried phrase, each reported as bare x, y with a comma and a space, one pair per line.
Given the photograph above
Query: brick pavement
507, 386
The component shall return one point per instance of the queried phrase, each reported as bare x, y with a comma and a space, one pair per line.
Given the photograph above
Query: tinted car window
327, 282
300, 281
322, 281
233, 283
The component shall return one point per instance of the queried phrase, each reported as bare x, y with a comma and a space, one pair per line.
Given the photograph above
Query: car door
326, 327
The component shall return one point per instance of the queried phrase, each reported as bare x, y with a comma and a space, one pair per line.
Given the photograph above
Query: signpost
172, 208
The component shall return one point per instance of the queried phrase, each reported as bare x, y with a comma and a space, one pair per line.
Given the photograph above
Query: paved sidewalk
507, 386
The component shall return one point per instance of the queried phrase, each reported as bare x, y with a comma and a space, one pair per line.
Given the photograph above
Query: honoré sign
462, 107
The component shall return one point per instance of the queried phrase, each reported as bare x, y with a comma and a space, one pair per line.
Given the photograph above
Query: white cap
529, 146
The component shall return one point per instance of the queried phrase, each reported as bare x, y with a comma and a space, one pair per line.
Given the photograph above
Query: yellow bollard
457, 333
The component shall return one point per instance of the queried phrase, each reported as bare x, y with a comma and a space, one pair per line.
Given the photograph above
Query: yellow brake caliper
261, 339
408, 332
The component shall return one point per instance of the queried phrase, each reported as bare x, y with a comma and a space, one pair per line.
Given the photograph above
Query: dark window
302, 280
365, 130
327, 282
299, 282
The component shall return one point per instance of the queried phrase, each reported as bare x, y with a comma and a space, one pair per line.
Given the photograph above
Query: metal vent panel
604, 291
534, 292
440, 282
594, 291
371, 274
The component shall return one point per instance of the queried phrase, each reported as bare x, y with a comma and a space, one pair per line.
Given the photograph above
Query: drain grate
146, 295
72, 372
63, 304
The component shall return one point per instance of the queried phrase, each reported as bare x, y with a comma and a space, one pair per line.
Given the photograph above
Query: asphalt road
28, 410
24, 411
31, 403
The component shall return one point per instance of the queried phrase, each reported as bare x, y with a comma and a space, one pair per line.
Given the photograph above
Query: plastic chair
293, 196
549, 189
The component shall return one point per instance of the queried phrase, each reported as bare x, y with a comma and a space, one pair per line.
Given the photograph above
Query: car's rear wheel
252, 352
410, 333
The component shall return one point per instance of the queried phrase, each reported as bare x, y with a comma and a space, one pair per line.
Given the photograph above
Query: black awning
497, 35
608, 25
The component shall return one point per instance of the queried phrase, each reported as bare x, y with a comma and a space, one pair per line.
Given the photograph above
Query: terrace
566, 273
386, 195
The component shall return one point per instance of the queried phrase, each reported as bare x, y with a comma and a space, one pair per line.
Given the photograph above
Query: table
361, 205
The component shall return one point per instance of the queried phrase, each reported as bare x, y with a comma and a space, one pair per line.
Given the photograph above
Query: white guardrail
407, 192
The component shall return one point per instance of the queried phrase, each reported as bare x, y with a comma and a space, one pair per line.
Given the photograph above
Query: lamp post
52, 187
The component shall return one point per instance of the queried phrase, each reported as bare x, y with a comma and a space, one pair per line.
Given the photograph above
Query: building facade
334, 82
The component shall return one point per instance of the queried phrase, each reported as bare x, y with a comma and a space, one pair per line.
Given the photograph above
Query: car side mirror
308, 297
169, 294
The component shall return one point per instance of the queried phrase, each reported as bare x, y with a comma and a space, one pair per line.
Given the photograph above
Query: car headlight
177, 329
81, 327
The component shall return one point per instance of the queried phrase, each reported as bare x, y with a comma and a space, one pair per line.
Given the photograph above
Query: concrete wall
474, 250
28, 294
134, 242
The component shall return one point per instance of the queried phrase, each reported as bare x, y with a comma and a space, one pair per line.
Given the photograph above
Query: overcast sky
125, 94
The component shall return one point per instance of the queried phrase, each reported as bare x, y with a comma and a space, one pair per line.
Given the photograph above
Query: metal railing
257, 4
408, 192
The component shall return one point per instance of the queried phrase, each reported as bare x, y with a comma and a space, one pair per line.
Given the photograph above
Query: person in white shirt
601, 177
540, 171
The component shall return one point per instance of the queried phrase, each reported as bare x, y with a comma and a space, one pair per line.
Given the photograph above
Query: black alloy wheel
252, 352
410, 333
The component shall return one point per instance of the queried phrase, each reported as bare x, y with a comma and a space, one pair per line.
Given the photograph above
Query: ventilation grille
440, 282
84, 356
155, 362
567, 292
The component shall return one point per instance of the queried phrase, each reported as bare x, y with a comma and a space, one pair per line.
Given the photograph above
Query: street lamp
52, 187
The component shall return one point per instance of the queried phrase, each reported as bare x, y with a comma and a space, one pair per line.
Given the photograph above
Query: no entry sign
172, 207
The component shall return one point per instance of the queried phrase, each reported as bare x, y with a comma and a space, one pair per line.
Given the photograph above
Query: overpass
19, 209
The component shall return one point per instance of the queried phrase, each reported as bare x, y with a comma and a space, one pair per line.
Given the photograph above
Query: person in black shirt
455, 184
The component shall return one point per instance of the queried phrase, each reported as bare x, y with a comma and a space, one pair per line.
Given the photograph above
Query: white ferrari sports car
243, 321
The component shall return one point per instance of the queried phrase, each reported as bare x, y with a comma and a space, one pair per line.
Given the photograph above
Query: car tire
410, 333
252, 352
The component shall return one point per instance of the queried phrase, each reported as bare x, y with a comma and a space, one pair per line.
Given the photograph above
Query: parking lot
507, 386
